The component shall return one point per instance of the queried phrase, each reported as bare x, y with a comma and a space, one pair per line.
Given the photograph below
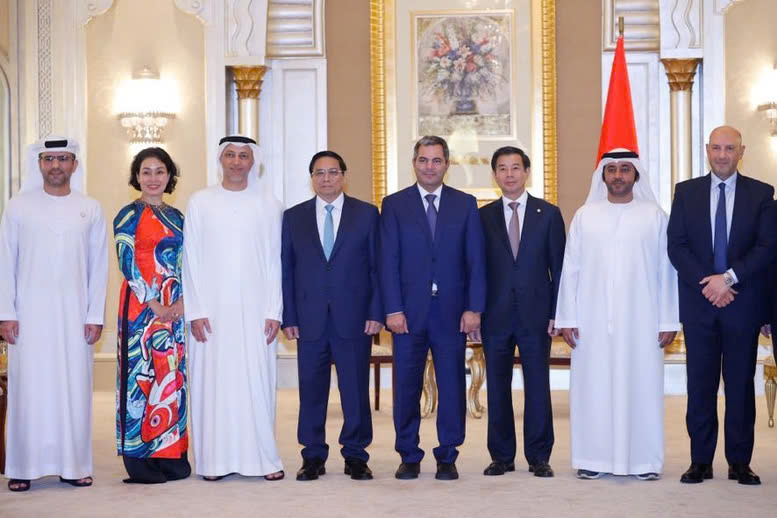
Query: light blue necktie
720, 244
329, 231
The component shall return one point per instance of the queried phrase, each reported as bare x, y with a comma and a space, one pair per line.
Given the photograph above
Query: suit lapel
312, 227
530, 222
741, 195
346, 219
417, 206
443, 213
498, 217
703, 201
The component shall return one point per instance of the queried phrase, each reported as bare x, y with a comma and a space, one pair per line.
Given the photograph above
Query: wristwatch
728, 279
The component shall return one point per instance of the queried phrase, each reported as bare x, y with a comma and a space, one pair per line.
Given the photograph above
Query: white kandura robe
232, 277
619, 289
53, 276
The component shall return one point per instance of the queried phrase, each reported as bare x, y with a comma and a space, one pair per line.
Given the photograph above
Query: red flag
618, 128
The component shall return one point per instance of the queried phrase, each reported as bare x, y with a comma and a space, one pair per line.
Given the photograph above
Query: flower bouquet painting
463, 73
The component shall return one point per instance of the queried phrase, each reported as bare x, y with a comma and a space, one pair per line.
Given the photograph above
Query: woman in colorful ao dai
151, 383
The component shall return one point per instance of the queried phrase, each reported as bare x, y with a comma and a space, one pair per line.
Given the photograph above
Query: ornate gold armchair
560, 356
3, 399
770, 386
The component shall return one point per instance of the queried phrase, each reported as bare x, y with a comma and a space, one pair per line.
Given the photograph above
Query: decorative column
249, 85
680, 73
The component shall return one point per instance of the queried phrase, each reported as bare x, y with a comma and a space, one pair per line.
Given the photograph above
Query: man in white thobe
617, 308
53, 276
232, 285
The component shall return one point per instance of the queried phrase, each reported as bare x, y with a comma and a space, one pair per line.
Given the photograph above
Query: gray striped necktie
514, 229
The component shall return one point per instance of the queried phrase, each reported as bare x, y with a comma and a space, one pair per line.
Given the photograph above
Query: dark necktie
720, 244
431, 212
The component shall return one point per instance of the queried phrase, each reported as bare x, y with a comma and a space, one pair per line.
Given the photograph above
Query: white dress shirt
337, 213
436, 192
731, 189
508, 212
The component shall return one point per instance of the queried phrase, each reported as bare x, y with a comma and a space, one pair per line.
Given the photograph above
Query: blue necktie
329, 231
431, 212
720, 244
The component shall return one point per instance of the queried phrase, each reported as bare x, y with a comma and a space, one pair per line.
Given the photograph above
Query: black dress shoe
446, 471
358, 469
743, 474
498, 468
408, 470
697, 473
541, 469
311, 469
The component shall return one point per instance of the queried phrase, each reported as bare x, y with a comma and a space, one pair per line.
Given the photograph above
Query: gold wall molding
382, 23
378, 98
549, 87
680, 72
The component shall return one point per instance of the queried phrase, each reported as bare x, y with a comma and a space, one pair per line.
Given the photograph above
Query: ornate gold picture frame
395, 49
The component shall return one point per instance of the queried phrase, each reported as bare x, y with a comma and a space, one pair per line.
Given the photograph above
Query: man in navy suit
721, 238
332, 307
433, 283
524, 252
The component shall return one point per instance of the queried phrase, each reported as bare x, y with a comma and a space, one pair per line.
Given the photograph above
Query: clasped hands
717, 291
166, 313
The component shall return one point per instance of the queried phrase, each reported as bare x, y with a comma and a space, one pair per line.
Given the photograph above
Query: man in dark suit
721, 239
524, 252
433, 283
332, 307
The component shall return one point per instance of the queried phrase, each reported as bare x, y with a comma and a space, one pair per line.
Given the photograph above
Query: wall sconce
145, 104
768, 97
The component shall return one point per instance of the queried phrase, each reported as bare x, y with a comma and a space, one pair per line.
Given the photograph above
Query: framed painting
480, 73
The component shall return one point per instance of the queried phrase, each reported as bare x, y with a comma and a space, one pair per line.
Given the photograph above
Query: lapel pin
539, 210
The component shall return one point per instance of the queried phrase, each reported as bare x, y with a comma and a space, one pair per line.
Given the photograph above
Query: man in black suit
332, 307
524, 252
722, 239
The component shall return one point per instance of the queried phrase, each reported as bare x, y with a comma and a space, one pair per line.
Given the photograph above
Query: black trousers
155, 470
538, 438
712, 349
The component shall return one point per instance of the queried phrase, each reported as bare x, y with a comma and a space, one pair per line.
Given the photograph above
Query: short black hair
161, 155
330, 154
510, 150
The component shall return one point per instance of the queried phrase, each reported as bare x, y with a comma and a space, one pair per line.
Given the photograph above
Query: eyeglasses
63, 159
319, 173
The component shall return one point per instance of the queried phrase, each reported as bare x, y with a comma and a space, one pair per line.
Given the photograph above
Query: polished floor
336, 495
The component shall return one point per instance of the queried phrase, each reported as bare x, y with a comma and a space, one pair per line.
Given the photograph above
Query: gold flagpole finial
620, 26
